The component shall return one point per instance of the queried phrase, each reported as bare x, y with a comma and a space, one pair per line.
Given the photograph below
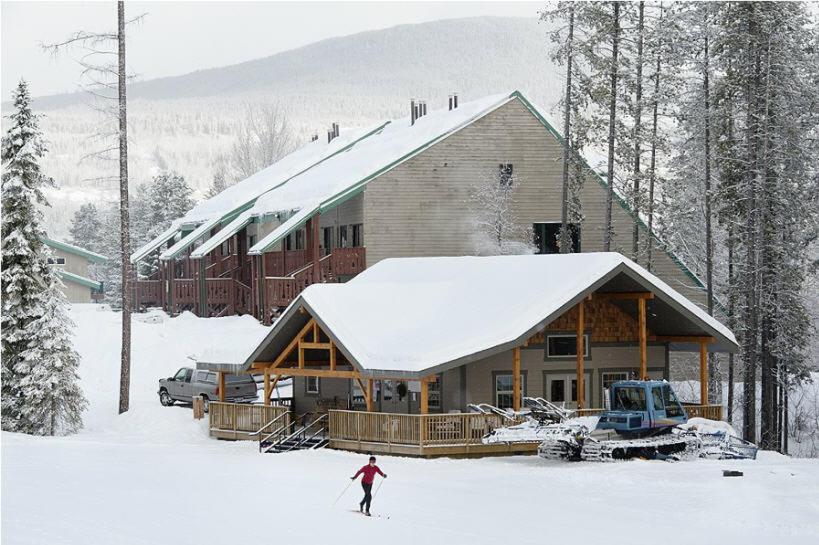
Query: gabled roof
78, 279
76, 250
417, 316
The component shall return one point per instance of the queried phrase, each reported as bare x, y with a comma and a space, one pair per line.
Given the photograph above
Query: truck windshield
629, 399
672, 406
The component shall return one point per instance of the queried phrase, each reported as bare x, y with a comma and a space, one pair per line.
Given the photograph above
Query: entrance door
562, 388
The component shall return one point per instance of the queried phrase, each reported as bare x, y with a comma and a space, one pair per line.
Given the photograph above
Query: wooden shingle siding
421, 207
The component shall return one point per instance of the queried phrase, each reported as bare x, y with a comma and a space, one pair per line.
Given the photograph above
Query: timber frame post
221, 386
516, 397
424, 397
703, 372
267, 391
641, 305
580, 349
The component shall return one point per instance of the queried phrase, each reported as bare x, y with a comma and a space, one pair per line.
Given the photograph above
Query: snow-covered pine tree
497, 230
219, 183
166, 198
86, 228
54, 401
31, 297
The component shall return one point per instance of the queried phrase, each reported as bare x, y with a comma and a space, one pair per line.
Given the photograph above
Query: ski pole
378, 487
343, 491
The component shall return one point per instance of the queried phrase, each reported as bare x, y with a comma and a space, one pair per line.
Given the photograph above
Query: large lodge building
335, 208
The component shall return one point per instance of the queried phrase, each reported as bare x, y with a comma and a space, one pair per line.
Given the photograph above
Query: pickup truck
187, 383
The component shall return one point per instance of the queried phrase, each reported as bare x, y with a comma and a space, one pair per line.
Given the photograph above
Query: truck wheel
205, 403
165, 398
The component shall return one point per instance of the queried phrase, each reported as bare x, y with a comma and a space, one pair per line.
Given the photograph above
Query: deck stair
311, 435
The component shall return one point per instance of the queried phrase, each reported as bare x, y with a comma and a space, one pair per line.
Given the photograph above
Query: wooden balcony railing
185, 291
149, 293
281, 290
242, 421
422, 430
711, 412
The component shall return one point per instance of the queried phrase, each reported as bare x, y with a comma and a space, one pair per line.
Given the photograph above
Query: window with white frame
434, 393
608, 378
504, 389
561, 346
313, 385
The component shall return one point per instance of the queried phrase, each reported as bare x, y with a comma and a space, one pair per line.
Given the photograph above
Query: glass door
562, 389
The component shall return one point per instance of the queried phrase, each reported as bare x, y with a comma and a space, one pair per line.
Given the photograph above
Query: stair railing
298, 432
258, 433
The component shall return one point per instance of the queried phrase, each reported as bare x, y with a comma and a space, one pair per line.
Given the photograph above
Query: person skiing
369, 472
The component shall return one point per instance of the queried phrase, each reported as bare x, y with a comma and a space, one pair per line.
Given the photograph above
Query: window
313, 385
251, 241
183, 375
505, 174
358, 233
504, 389
672, 405
657, 398
434, 393
386, 391
558, 346
547, 236
608, 379
57, 261
300, 239
342, 236
630, 399
288, 242
328, 239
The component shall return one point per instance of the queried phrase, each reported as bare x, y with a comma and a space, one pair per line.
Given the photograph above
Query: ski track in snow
153, 476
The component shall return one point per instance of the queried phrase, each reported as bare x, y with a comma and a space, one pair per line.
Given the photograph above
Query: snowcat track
612, 450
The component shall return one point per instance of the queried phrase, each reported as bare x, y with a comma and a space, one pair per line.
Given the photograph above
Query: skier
369, 472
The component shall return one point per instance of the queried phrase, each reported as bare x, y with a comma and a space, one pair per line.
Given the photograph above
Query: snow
453, 307
153, 476
396, 142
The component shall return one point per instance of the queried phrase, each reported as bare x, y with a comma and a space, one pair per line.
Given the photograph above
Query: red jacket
369, 473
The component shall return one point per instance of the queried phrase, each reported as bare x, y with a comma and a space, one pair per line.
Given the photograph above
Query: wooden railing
241, 421
281, 290
185, 292
348, 261
711, 412
423, 430
243, 294
149, 292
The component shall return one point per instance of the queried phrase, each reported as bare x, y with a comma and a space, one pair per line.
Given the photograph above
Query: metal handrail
278, 431
297, 432
260, 430
305, 439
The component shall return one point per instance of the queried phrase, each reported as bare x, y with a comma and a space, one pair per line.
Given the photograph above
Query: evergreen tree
86, 228
54, 401
32, 309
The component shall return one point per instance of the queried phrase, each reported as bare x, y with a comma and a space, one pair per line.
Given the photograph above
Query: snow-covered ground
153, 476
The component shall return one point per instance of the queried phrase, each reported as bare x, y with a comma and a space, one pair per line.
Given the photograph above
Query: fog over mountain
186, 123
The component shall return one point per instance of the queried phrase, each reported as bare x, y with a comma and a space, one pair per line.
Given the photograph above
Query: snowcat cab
639, 407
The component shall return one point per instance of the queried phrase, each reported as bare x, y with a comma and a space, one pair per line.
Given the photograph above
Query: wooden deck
240, 421
420, 434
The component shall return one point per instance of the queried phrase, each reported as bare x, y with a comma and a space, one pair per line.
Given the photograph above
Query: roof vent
417, 110
333, 132
314, 138
453, 101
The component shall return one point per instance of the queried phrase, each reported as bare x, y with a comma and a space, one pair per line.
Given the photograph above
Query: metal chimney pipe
329, 136
450, 102
412, 111
424, 106
455, 100
335, 130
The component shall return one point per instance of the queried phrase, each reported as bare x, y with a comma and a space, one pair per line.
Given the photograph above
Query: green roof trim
603, 183
76, 250
77, 279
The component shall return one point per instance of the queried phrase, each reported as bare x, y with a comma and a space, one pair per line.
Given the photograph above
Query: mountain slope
188, 123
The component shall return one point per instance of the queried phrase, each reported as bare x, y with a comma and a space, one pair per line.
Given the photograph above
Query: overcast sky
179, 37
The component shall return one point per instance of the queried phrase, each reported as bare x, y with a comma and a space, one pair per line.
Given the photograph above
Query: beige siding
420, 208
76, 293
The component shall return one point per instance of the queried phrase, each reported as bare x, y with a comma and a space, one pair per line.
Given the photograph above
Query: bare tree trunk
612, 119
785, 423
638, 125
731, 320
652, 176
715, 382
125, 236
564, 211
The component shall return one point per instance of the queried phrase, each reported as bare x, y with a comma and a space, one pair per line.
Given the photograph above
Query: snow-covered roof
416, 316
332, 180
76, 250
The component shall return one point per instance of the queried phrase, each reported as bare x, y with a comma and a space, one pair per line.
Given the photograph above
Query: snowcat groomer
639, 424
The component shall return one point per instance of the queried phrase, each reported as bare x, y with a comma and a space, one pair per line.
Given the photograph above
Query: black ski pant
368, 497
